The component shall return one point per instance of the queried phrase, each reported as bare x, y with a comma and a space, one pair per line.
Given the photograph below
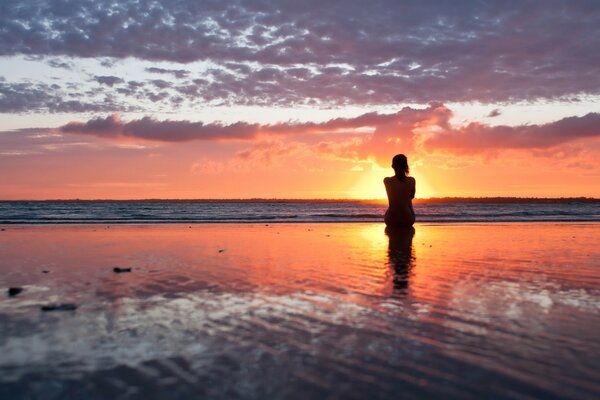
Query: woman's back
400, 193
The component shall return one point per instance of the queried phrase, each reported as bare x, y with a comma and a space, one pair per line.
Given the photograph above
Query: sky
298, 99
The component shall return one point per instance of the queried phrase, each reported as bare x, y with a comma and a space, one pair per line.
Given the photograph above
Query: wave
227, 212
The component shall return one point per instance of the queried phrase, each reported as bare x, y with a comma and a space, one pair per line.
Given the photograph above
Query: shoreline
279, 223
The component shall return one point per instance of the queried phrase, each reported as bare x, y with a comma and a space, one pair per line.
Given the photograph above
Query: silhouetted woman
400, 190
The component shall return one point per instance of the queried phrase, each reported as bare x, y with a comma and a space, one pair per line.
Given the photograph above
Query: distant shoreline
433, 200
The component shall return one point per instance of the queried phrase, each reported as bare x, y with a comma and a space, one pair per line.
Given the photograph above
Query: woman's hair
400, 165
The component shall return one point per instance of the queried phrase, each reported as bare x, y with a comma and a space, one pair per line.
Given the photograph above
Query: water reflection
301, 311
400, 255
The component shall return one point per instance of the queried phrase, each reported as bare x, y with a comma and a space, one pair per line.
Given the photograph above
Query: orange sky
269, 100
348, 160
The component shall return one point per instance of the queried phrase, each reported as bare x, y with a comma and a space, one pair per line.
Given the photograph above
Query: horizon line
274, 199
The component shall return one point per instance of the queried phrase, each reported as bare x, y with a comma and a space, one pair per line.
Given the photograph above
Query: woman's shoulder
389, 179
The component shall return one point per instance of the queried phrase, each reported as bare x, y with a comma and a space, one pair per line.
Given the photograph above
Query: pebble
13, 291
59, 307
120, 270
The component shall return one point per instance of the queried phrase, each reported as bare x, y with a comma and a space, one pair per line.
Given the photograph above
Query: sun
369, 185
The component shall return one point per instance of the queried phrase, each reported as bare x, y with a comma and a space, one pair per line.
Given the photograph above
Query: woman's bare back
400, 194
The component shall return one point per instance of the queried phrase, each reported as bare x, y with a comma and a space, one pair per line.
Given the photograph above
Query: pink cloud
478, 137
371, 136
161, 131
402, 123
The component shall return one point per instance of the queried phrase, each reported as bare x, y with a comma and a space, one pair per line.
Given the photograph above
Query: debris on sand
121, 270
13, 291
59, 307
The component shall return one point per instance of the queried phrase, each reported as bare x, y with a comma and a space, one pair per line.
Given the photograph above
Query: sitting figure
400, 190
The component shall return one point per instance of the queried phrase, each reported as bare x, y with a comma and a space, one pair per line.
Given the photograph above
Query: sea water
57, 212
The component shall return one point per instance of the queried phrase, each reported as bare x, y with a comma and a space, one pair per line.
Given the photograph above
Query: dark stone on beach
221, 250
45, 271
59, 307
13, 291
120, 270
3, 229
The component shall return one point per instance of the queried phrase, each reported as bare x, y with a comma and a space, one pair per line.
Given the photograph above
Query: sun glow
424, 189
370, 185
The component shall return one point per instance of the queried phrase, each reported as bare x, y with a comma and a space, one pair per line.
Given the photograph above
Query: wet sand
301, 311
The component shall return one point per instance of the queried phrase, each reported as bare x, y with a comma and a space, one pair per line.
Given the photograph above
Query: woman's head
400, 165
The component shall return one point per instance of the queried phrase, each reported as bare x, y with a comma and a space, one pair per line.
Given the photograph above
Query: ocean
249, 211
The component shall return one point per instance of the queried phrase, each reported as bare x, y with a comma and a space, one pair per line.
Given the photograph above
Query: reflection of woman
400, 190
400, 254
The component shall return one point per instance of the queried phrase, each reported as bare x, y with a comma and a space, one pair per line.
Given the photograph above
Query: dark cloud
340, 52
108, 80
27, 97
177, 73
108, 62
156, 97
159, 83
163, 131
57, 63
494, 113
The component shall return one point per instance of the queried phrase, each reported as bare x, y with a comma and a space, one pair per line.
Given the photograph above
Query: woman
400, 190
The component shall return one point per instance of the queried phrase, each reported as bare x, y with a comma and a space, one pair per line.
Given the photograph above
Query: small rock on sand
221, 250
120, 270
59, 307
13, 291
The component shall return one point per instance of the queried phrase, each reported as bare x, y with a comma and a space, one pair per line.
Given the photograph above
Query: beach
305, 310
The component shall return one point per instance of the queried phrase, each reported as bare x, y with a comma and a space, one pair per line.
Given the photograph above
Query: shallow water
301, 311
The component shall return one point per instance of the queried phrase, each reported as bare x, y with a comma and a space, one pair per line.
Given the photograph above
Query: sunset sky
298, 99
